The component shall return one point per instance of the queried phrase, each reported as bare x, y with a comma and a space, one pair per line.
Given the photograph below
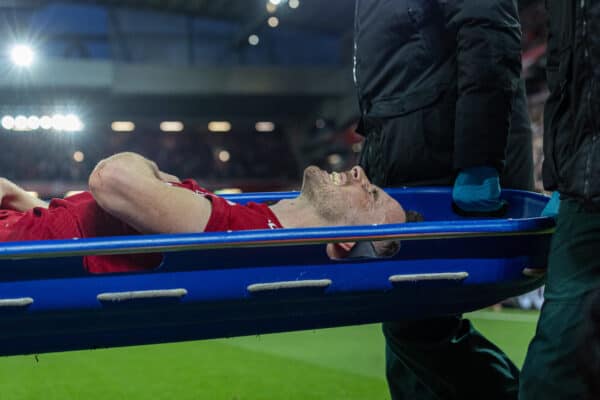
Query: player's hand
477, 190
5, 191
13, 197
553, 206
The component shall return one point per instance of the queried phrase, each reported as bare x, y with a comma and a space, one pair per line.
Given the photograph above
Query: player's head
349, 198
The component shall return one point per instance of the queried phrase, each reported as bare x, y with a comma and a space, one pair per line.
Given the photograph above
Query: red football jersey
79, 216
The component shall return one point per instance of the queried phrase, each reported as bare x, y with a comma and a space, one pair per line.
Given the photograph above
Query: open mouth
337, 178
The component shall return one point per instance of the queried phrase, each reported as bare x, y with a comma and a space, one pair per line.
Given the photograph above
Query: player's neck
296, 213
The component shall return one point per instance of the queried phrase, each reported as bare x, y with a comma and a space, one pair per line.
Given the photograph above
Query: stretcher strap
20, 302
443, 276
142, 294
265, 287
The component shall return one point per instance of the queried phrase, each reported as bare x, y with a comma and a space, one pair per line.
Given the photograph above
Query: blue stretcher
241, 283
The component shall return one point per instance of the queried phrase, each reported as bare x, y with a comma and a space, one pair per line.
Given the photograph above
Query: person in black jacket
572, 169
439, 91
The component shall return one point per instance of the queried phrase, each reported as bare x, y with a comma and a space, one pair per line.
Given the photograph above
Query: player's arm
133, 189
13, 197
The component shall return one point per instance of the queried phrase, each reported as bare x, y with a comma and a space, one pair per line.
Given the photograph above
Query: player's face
349, 198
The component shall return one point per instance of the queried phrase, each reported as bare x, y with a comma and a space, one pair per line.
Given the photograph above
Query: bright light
264, 126
58, 122
22, 55
357, 147
334, 159
171, 126
253, 40
228, 191
21, 123
219, 126
78, 156
273, 22
33, 122
294, 3
123, 126
275, 2
8, 122
46, 122
224, 156
72, 123
271, 8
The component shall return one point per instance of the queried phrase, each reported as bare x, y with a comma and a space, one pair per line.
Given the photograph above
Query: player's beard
323, 196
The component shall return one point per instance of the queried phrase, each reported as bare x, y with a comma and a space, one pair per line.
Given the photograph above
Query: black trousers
447, 358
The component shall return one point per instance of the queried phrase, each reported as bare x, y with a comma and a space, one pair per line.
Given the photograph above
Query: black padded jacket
572, 113
436, 82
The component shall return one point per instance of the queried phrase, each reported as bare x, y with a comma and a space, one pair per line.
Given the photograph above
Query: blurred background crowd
235, 94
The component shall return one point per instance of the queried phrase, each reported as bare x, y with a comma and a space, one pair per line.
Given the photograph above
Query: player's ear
339, 250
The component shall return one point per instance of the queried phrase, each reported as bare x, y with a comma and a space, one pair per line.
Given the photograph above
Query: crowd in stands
51, 156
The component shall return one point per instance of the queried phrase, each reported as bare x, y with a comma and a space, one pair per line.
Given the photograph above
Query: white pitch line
501, 316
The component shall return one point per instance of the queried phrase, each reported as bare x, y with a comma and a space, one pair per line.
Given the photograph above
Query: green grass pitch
341, 363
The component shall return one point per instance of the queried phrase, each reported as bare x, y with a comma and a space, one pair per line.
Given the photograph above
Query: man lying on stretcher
130, 195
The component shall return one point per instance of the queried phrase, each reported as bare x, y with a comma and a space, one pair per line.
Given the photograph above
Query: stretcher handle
19, 302
116, 297
442, 276
273, 286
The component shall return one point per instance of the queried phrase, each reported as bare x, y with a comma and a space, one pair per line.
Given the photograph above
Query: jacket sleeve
488, 36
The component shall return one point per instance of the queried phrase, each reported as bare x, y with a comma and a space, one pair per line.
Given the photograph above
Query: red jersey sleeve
230, 216
79, 216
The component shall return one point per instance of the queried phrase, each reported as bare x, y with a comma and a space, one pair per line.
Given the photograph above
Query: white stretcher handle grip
442, 276
272, 286
141, 295
19, 302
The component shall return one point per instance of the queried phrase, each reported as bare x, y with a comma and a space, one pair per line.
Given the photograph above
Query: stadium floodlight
228, 191
294, 3
334, 159
224, 156
33, 122
171, 126
72, 123
253, 40
122, 126
78, 156
219, 126
22, 55
46, 122
275, 2
264, 126
8, 122
21, 123
271, 8
58, 122
273, 22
